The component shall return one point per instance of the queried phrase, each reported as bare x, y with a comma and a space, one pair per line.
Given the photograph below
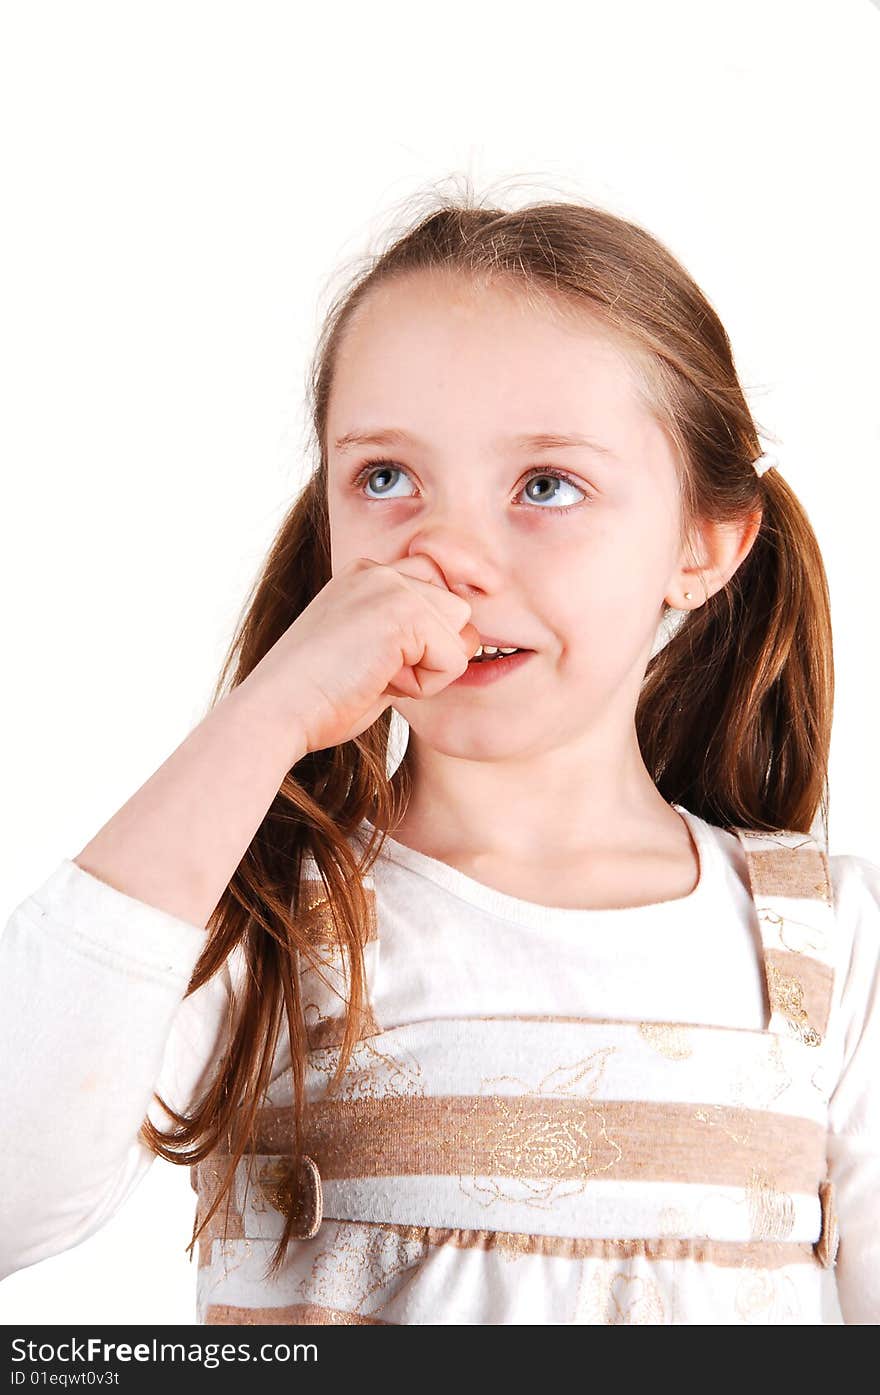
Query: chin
472, 739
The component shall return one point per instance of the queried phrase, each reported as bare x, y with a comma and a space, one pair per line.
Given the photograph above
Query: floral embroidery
797, 936
737, 1124
673, 1041
759, 1083
762, 1297
623, 1297
373, 1072
354, 1264
561, 1081
771, 1212
787, 998
523, 1148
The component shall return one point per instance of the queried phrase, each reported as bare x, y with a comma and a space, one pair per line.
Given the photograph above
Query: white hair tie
764, 463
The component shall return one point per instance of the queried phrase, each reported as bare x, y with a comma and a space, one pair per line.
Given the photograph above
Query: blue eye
385, 467
378, 467
560, 479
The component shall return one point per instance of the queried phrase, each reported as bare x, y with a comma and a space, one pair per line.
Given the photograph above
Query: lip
491, 671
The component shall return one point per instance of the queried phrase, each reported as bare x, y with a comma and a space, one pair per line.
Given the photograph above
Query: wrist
271, 717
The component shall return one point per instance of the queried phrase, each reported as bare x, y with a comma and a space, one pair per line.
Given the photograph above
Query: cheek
600, 599
349, 540
621, 569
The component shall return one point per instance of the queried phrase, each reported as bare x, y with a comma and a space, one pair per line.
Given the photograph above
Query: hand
375, 632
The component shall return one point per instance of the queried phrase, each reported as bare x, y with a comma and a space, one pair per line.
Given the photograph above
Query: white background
182, 185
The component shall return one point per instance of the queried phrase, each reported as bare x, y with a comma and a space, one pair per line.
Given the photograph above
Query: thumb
471, 637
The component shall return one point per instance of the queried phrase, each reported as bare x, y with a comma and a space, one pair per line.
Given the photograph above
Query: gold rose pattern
527, 1154
787, 998
362, 1268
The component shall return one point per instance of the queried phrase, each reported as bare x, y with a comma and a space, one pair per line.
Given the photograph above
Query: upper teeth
493, 649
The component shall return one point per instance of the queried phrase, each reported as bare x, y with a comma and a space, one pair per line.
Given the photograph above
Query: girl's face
565, 549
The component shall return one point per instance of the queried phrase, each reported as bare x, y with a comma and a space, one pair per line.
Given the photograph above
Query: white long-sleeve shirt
92, 984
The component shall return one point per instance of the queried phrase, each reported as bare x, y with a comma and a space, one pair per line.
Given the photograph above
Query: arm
177, 841
92, 1020
94, 966
854, 1108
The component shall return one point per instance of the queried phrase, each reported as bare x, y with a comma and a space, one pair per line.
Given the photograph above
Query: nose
461, 556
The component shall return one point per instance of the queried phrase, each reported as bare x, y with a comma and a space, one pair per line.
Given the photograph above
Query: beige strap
791, 887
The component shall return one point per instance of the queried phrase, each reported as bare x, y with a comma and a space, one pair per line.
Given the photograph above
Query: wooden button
828, 1244
309, 1205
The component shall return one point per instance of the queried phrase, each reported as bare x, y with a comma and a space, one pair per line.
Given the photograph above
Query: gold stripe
790, 872
800, 988
226, 1222
726, 1254
316, 920
762, 1254
564, 1139
219, 1313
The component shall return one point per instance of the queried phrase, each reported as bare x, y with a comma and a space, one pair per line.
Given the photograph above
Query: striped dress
496, 1168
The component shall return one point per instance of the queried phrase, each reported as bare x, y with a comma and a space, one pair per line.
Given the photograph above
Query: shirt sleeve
94, 1019
854, 1107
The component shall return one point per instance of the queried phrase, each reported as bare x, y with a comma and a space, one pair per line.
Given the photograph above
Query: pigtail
734, 718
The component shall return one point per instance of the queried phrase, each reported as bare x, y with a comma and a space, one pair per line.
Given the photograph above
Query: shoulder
791, 863
783, 865
855, 1104
855, 883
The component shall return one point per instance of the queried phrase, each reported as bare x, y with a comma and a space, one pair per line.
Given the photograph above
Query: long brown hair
734, 716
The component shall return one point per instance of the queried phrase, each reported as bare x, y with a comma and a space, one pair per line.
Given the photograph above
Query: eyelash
538, 473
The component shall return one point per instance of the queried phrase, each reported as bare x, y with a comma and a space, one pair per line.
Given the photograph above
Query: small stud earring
687, 595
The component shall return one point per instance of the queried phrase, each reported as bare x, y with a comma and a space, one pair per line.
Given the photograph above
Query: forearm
177, 841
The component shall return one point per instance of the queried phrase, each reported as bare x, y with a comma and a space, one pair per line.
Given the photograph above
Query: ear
716, 550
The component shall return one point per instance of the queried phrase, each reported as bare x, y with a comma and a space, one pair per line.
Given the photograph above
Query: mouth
494, 653
486, 672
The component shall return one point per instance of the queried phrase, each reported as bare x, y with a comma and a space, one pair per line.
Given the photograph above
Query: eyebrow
538, 440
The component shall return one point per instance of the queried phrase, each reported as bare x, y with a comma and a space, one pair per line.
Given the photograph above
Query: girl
565, 1016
